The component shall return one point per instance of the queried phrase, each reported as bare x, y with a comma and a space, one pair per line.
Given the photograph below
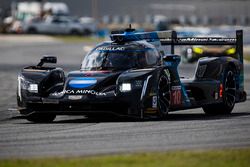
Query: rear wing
237, 42
169, 38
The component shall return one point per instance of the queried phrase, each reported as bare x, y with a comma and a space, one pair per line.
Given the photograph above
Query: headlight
27, 85
33, 88
125, 87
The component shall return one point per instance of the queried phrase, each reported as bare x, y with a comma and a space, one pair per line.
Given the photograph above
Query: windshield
119, 60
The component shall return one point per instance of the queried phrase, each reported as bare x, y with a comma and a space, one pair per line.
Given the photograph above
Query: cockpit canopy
121, 57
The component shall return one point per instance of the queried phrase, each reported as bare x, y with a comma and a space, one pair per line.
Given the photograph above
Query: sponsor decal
82, 82
176, 87
110, 49
216, 95
154, 102
84, 92
176, 96
201, 70
78, 92
198, 39
75, 97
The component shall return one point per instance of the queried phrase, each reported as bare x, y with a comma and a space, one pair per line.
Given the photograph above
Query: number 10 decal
176, 95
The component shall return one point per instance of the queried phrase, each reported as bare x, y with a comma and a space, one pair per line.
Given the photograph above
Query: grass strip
194, 158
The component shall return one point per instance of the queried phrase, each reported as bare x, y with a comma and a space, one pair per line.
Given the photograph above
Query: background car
57, 25
193, 53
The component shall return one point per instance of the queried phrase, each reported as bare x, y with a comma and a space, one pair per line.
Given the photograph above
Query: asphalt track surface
77, 136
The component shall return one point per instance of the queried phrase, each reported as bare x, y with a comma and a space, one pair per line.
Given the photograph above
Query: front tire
163, 96
41, 118
229, 95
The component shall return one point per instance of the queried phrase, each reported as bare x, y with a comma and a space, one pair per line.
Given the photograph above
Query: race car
192, 54
134, 74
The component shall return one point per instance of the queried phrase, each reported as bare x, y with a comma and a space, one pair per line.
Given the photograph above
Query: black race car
134, 74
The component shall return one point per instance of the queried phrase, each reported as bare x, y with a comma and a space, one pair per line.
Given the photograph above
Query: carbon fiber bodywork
133, 90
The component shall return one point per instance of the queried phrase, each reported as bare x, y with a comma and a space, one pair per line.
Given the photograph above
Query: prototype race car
192, 54
134, 74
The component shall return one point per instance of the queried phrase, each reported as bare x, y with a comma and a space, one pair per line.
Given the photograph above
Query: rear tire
41, 118
229, 95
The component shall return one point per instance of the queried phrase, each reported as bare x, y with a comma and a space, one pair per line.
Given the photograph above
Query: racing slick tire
163, 96
41, 118
229, 95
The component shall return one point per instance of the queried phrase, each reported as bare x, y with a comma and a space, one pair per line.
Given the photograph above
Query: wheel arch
214, 67
233, 65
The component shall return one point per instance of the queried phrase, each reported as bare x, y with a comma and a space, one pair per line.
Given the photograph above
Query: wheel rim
163, 95
230, 89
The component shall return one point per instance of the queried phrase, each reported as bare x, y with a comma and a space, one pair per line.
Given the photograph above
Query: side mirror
172, 58
47, 59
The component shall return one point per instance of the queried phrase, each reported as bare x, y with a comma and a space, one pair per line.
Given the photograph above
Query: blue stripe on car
82, 82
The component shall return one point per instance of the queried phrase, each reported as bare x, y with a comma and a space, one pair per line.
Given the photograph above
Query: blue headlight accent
82, 82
